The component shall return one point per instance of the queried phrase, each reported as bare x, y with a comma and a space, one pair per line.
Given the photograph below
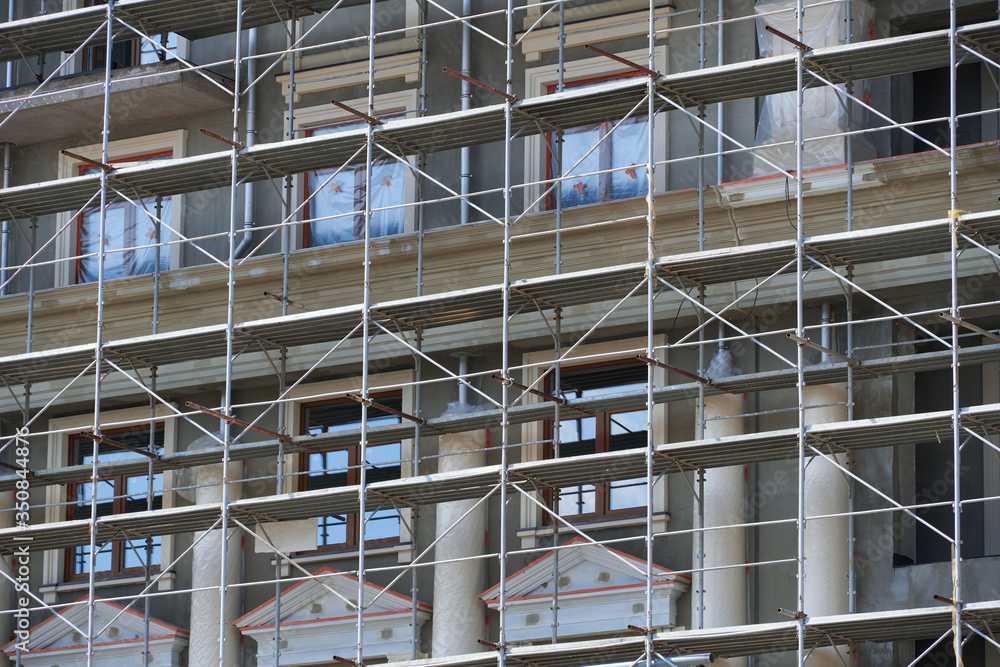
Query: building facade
473, 333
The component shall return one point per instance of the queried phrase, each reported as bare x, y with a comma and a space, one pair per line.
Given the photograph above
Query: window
592, 370
127, 53
335, 201
336, 211
342, 467
130, 235
115, 495
603, 432
627, 146
130, 224
614, 170
64, 445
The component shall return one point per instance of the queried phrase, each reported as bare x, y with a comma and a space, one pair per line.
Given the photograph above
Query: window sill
50, 591
529, 536
404, 552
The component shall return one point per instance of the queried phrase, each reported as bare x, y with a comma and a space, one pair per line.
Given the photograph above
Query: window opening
120, 494
130, 234
626, 151
610, 431
336, 212
342, 467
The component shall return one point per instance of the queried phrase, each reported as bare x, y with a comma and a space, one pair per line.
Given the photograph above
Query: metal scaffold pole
505, 428
799, 349
227, 397
366, 341
650, 330
99, 343
956, 426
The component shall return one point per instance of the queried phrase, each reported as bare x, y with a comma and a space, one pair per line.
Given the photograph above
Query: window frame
537, 81
404, 102
605, 185
379, 383
80, 63
602, 444
532, 524
60, 431
352, 473
131, 212
68, 242
118, 548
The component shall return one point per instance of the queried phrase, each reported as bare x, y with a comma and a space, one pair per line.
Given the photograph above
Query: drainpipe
466, 105
251, 139
5, 229
7, 148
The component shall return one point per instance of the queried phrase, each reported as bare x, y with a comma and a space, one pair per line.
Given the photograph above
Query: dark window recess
973, 652
932, 99
934, 476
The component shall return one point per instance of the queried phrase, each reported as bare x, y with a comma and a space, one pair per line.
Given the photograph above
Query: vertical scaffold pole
227, 398
99, 345
505, 337
953, 220
366, 340
800, 352
650, 340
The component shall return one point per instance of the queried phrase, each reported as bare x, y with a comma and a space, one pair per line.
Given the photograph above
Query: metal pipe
5, 230
99, 342
365, 342
956, 554
466, 152
251, 139
463, 370
826, 333
505, 434
560, 135
720, 108
227, 398
800, 351
651, 289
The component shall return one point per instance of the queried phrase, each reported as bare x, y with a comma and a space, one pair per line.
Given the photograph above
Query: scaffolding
642, 288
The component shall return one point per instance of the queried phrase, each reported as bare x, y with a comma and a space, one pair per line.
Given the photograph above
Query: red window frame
550, 201
353, 473
602, 444
119, 504
81, 170
356, 169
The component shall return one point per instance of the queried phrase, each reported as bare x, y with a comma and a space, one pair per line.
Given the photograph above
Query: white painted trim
120, 151
531, 524
318, 391
404, 101
61, 429
536, 83
326, 74
590, 24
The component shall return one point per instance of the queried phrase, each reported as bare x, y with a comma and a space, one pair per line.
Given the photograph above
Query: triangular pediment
584, 566
119, 627
329, 594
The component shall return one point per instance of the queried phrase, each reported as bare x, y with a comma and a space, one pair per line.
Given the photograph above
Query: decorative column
724, 596
826, 571
205, 604
459, 615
